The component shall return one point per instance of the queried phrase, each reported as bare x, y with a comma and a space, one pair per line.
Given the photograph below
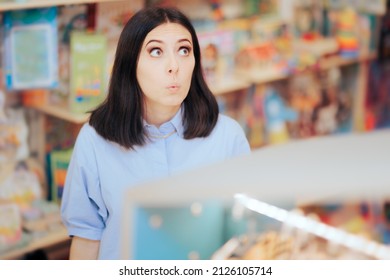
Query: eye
184, 51
155, 52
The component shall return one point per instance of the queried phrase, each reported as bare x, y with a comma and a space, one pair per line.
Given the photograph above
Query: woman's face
165, 66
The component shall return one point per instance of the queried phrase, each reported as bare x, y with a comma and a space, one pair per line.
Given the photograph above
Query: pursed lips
173, 87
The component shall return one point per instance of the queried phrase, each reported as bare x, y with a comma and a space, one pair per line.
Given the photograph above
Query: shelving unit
241, 81
29, 4
224, 86
55, 241
338, 61
51, 239
61, 112
223, 177
262, 77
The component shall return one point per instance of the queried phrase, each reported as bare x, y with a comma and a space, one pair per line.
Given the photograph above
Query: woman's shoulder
87, 130
232, 134
227, 122
88, 134
228, 126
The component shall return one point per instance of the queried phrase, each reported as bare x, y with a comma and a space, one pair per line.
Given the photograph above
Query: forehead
168, 31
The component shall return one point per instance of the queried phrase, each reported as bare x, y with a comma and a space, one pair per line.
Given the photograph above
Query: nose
173, 65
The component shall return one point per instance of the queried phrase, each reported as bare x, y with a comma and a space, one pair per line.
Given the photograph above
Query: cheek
147, 76
143, 69
189, 69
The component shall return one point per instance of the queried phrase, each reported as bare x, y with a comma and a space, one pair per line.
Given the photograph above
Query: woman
159, 118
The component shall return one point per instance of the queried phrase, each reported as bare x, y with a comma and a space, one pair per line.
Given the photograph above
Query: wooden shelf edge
61, 112
50, 239
227, 85
30, 4
263, 76
339, 61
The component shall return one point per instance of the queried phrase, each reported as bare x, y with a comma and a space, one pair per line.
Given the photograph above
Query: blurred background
289, 71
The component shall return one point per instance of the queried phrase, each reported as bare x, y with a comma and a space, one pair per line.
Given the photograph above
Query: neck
158, 117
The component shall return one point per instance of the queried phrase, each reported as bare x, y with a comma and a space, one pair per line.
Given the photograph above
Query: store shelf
261, 76
50, 239
224, 86
29, 4
338, 61
61, 112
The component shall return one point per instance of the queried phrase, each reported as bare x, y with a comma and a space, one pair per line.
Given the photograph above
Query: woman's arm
84, 249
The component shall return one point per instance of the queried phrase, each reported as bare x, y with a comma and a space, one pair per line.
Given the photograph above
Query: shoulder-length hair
120, 117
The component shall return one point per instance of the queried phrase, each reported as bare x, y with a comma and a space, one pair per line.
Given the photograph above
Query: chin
174, 101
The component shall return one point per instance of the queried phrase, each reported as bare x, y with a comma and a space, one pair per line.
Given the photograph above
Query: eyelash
153, 50
188, 49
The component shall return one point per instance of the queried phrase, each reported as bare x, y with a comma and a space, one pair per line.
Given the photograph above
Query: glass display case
261, 206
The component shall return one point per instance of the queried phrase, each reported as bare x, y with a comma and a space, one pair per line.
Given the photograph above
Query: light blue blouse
100, 171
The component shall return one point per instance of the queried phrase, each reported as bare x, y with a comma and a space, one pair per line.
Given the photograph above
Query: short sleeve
82, 209
240, 144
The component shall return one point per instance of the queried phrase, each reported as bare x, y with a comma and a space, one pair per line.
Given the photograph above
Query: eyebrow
161, 42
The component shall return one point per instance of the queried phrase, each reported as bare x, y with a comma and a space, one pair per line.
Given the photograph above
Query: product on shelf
59, 162
377, 103
110, 18
307, 18
30, 50
88, 71
13, 135
301, 236
277, 114
217, 49
71, 18
19, 184
10, 227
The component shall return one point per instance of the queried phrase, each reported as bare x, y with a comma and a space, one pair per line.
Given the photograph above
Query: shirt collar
176, 122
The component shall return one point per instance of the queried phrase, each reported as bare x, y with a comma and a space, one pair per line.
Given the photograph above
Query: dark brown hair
120, 117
